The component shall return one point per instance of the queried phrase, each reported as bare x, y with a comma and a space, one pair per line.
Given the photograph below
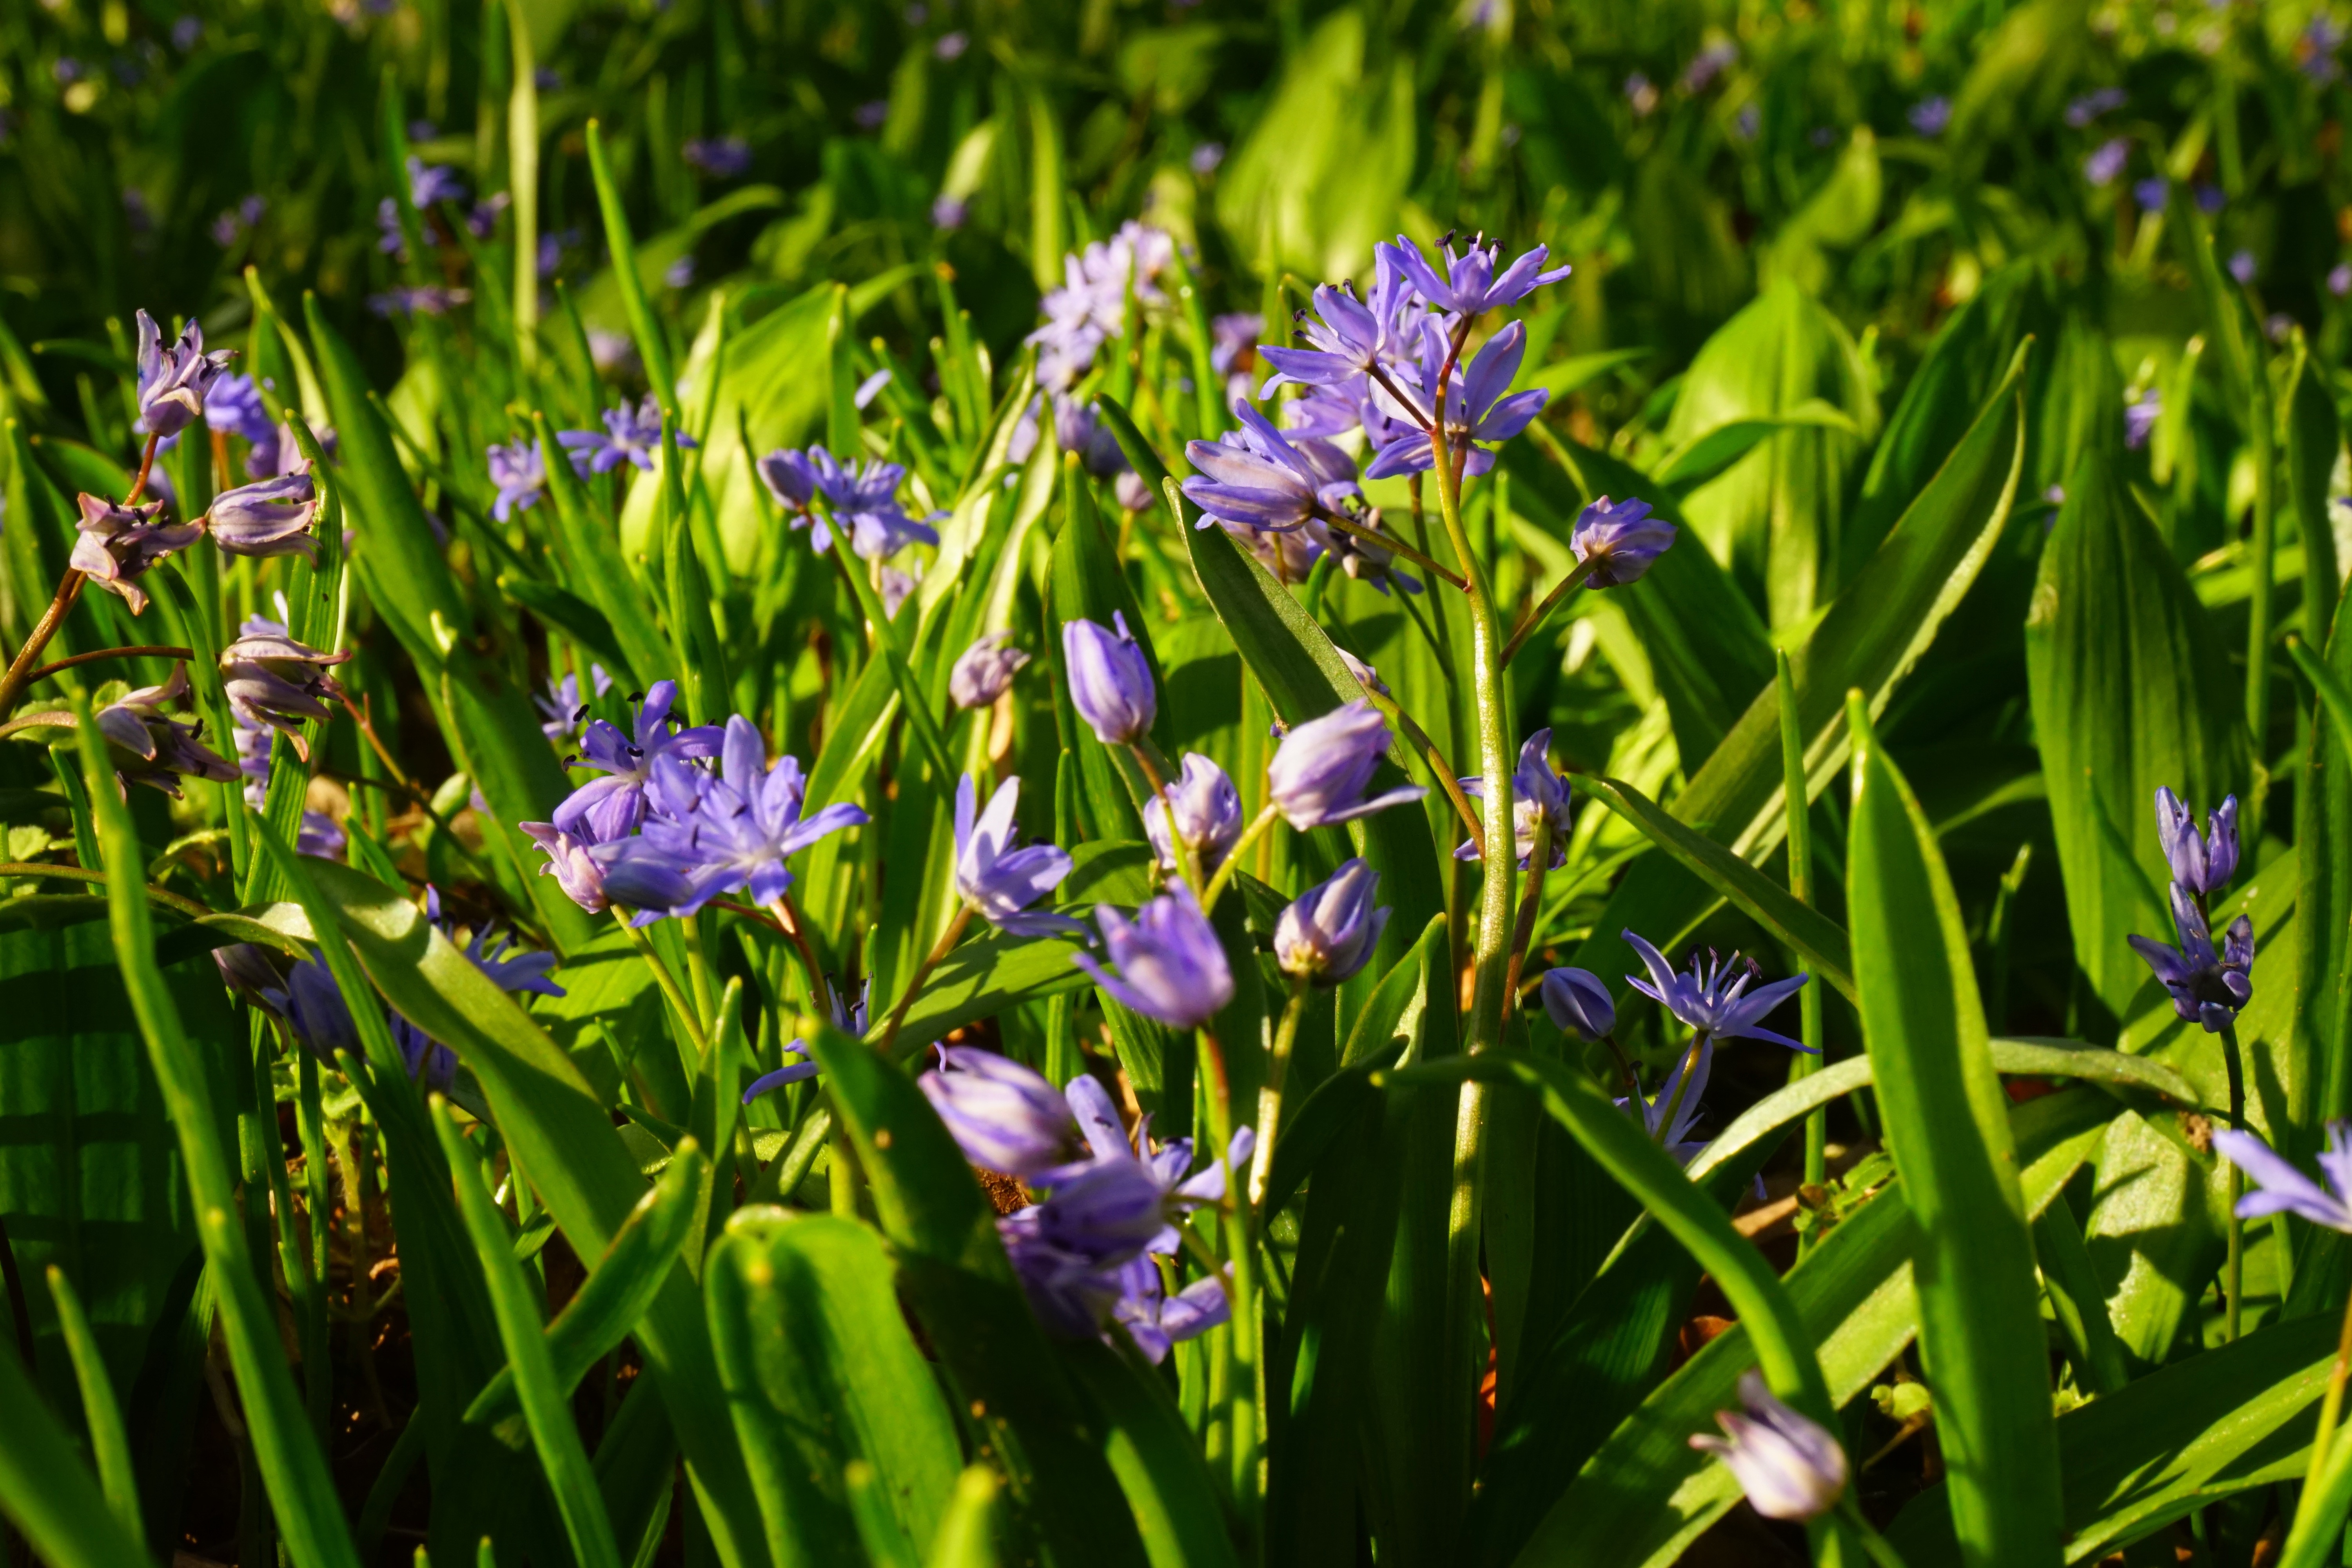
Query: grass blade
109, 1445
45, 1491
1947, 1127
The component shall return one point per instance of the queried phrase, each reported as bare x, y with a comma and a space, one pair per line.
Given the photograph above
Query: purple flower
1702, 1000
2207, 987
1207, 814
186, 32
1668, 1115
235, 406
1788, 1467
1931, 116
1205, 158
150, 747
575, 870
1078, 427
2091, 105
1155, 1320
1640, 94
983, 672
429, 1061
2107, 162
1091, 305
482, 218
2199, 864
271, 517
869, 115
679, 274
2140, 415
1170, 964
114, 545
519, 473
1579, 1003
948, 211
428, 300
1708, 64
1748, 122
1471, 285
791, 1071
629, 437
1617, 541
721, 157
432, 183
173, 381
2241, 266
1326, 933
858, 499
2316, 50
1538, 795
1257, 478
1319, 774
951, 46
2340, 278
2211, 200
1475, 408
613, 805
1351, 336
1109, 681
274, 680
560, 702
709, 835
552, 248
2280, 1188
1003, 1115
998, 880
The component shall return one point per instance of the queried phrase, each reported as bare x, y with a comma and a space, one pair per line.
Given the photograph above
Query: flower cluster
632, 435
148, 746
257, 739
2208, 987
681, 816
1090, 307
859, 501
1088, 1252
1539, 796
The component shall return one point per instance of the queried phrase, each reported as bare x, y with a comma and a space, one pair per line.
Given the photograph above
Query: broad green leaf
953, 1273
820, 1373
1158, 1463
2323, 835
2130, 691
1947, 1127
1870, 638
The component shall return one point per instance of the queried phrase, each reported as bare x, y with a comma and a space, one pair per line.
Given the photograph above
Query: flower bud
1789, 1466
985, 670
1171, 966
1207, 812
150, 747
114, 545
172, 382
1319, 775
1579, 1003
1110, 681
1328, 932
271, 517
1004, 1116
2202, 863
277, 680
1617, 541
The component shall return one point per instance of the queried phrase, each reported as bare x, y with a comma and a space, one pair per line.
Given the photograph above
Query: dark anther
1447, 240
636, 697
636, 751
583, 713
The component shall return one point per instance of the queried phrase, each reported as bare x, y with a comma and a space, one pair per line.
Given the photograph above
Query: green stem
698, 972
1440, 766
1226, 872
1794, 786
1542, 612
1239, 1345
2233, 1281
666, 980
2258, 628
1875, 1545
918, 708
940, 950
1269, 1096
2331, 1406
1522, 930
1154, 768
1682, 1085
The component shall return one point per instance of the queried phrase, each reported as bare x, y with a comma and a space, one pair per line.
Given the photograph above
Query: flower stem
1682, 1086
1392, 544
1226, 873
1438, 763
1155, 777
2234, 1278
1793, 785
666, 980
2331, 1405
820, 989
940, 950
1542, 612
1879, 1550
20, 669
1240, 1344
144, 652
1269, 1096
1522, 930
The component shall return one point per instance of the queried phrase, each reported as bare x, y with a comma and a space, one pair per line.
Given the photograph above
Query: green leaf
966, 1537
545, 1405
653, 345
2235, 1418
1820, 940
1947, 1127
1157, 1460
110, 1445
558, 1133
2130, 691
293, 1467
45, 1491
2323, 833
820, 1374
953, 1273
1870, 637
